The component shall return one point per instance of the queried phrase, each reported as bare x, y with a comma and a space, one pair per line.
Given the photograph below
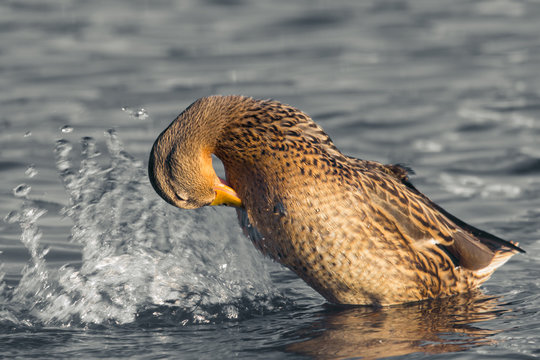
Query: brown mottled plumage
357, 231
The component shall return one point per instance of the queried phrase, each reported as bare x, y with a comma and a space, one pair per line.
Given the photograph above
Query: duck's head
180, 165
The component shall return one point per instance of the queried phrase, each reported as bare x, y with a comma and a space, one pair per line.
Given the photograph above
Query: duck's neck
203, 122
247, 135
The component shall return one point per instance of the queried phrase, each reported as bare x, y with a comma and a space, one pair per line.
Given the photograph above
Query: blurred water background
94, 264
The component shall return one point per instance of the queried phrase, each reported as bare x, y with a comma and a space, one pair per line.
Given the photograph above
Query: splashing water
140, 114
66, 129
31, 171
142, 260
21, 190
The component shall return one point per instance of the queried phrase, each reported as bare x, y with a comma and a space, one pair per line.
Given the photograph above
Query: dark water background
94, 264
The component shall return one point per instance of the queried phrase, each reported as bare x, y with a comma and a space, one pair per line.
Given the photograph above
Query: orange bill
225, 195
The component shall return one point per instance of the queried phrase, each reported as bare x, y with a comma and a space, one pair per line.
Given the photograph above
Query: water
95, 264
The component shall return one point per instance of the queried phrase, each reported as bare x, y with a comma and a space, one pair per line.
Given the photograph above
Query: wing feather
419, 219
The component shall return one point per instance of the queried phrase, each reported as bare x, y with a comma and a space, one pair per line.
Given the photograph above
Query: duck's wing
421, 221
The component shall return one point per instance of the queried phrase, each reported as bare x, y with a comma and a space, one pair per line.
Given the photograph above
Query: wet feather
357, 231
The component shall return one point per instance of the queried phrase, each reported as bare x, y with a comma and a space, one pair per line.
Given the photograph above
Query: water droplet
21, 190
141, 113
66, 129
279, 209
28, 134
12, 217
31, 171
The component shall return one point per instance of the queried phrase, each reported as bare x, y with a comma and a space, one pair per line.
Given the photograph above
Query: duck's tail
501, 256
501, 249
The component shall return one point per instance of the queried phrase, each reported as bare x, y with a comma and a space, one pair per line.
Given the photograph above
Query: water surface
95, 264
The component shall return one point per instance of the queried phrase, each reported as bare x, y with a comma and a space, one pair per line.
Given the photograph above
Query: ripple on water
470, 186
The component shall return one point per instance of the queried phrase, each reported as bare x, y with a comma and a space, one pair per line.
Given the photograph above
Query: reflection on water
438, 326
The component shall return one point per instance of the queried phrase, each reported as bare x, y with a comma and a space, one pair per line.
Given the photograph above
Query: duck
357, 231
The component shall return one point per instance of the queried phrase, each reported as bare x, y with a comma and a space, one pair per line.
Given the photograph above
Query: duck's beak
225, 195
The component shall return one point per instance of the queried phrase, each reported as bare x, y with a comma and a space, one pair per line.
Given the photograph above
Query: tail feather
500, 258
495, 243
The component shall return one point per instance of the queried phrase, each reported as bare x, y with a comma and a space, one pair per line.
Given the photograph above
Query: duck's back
356, 231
